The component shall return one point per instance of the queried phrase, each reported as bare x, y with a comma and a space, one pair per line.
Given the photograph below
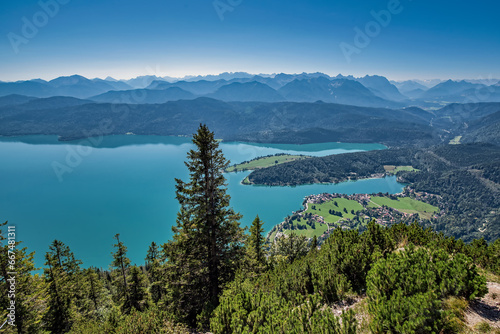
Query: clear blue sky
124, 38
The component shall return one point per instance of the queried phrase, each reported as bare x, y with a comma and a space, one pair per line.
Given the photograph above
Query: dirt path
375, 203
486, 309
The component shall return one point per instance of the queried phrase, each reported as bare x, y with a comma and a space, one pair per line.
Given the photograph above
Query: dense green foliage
150, 321
333, 168
291, 293
484, 130
255, 257
405, 289
341, 167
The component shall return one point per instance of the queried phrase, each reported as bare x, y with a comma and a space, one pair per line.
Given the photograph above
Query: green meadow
323, 209
405, 204
264, 162
394, 169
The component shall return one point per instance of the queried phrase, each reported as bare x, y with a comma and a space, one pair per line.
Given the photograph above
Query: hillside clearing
342, 206
263, 162
406, 205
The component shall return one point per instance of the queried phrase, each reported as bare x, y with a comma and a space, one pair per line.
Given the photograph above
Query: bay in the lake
84, 192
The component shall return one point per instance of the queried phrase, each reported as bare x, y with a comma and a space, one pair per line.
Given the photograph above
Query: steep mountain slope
484, 130
408, 86
448, 88
381, 87
457, 117
142, 81
78, 86
342, 91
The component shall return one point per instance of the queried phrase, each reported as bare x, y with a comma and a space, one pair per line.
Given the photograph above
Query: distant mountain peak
247, 91
68, 80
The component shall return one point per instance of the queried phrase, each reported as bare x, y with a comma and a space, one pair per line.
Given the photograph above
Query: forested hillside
484, 130
465, 178
283, 122
278, 122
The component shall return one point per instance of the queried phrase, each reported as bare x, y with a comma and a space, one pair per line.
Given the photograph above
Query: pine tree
207, 244
154, 270
138, 294
64, 279
289, 248
121, 265
153, 263
255, 251
97, 296
314, 244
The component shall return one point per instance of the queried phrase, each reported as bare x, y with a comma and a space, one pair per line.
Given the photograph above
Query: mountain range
285, 122
368, 91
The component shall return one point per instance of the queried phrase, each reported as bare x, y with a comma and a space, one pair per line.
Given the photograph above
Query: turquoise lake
84, 192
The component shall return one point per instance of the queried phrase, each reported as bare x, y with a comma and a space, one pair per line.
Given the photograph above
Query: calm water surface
85, 192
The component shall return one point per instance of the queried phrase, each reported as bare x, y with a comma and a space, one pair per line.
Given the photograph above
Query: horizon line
272, 75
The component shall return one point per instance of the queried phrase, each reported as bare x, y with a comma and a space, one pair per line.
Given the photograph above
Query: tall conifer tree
255, 251
63, 275
121, 266
207, 244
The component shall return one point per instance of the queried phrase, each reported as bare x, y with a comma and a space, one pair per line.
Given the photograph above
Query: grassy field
310, 232
343, 203
456, 140
394, 169
405, 204
264, 162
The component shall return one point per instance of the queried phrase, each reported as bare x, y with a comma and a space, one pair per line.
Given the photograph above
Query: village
325, 212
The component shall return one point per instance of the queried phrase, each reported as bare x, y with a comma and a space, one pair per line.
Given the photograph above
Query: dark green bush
405, 290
